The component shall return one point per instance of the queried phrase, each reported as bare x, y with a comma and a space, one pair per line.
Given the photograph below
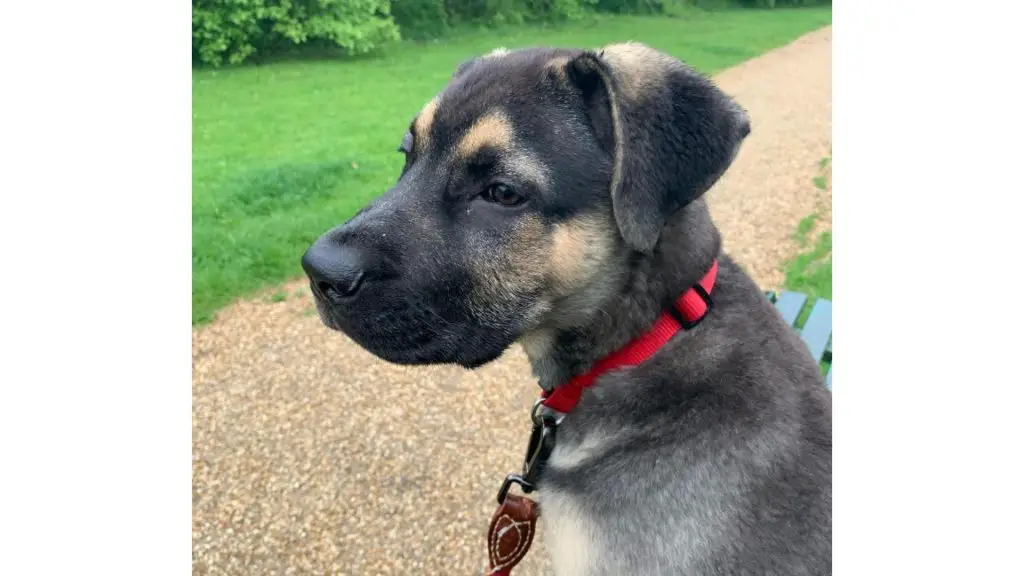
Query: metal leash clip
542, 441
507, 483
538, 449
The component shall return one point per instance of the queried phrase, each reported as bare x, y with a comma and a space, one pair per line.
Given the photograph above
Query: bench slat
818, 328
789, 305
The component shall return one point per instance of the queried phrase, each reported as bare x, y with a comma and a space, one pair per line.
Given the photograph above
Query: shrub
432, 18
633, 6
675, 6
781, 3
421, 18
234, 30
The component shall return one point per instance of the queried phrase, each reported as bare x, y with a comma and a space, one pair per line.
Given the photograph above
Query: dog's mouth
408, 331
390, 331
323, 309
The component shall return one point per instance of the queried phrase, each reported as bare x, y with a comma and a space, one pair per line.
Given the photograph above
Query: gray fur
714, 457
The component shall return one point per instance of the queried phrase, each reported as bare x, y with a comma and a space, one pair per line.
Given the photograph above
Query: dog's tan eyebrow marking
494, 130
491, 130
424, 121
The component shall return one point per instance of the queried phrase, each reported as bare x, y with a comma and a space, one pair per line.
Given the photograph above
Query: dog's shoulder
727, 435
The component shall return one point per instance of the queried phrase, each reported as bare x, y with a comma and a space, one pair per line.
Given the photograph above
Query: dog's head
527, 183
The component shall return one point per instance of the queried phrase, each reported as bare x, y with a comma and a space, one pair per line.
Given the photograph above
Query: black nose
336, 270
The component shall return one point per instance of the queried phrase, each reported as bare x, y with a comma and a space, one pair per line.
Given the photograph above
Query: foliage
232, 31
782, 3
236, 31
419, 19
634, 6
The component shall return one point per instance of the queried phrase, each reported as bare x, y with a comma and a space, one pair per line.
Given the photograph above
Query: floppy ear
671, 131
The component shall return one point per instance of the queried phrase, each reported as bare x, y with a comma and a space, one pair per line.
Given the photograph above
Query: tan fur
638, 68
579, 249
424, 121
492, 129
514, 266
557, 67
575, 260
537, 343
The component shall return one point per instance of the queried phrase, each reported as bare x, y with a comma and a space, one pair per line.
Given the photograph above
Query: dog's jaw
437, 346
630, 302
538, 345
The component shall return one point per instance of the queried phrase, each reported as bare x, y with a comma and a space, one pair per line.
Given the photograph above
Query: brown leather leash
511, 533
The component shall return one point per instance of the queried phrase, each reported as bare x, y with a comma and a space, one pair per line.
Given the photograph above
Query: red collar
688, 311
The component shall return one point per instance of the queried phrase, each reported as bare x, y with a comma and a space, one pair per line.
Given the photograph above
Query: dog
553, 198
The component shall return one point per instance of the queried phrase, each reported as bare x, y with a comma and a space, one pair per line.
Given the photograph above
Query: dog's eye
503, 194
406, 146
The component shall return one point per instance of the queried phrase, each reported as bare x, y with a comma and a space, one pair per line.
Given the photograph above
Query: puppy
553, 198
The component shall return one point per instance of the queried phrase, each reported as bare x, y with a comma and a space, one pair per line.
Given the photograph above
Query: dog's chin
419, 345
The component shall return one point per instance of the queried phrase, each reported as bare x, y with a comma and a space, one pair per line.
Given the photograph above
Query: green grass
803, 228
284, 151
810, 271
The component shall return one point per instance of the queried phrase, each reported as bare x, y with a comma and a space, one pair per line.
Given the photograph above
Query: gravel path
769, 187
312, 457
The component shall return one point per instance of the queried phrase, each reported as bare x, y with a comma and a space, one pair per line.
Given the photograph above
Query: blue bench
815, 331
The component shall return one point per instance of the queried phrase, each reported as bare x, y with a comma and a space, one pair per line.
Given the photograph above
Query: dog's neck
627, 301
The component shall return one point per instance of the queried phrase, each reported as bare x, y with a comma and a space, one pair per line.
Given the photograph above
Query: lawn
284, 151
810, 270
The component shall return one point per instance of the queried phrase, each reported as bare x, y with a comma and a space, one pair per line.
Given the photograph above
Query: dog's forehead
491, 95
526, 64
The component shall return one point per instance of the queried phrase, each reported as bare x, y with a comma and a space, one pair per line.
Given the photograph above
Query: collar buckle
699, 290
